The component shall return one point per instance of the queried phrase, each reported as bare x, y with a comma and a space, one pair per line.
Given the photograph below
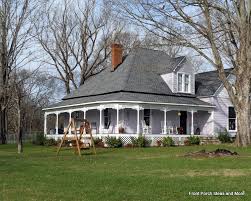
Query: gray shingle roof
140, 71
136, 79
207, 83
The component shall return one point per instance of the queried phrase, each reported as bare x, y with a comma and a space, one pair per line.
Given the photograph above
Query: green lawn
121, 174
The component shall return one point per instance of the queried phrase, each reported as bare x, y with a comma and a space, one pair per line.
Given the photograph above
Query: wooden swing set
78, 142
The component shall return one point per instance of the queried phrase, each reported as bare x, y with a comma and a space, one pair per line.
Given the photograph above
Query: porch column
117, 130
100, 119
45, 123
138, 120
56, 126
212, 121
192, 124
70, 121
165, 121
84, 110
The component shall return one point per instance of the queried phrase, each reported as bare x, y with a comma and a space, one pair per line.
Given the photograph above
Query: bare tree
129, 40
14, 36
76, 39
30, 92
220, 31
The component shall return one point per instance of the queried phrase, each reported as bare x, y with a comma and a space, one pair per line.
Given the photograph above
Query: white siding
203, 120
206, 120
157, 117
222, 102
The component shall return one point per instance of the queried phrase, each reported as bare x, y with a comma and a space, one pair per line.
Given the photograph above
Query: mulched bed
216, 153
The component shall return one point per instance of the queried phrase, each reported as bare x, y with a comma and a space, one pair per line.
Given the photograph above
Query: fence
27, 137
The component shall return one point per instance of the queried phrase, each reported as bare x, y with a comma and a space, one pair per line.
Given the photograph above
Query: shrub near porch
154, 173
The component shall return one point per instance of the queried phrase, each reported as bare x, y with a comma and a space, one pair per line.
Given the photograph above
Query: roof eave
137, 102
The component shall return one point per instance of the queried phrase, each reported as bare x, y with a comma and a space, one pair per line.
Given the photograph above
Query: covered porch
127, 120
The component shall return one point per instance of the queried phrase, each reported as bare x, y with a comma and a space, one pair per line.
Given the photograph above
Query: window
147, 116
179, 82
183, 83
231, 119
186, 83
107, 118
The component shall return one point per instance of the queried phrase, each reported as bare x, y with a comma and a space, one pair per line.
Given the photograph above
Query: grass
121, 174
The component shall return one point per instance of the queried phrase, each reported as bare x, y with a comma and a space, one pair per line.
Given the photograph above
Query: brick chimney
116, 55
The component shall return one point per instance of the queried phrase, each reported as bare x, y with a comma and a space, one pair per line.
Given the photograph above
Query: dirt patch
216, 153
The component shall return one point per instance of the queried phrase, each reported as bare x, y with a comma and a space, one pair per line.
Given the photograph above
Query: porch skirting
126, 138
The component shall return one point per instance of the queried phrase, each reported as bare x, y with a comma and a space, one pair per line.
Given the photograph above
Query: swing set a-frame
78, 142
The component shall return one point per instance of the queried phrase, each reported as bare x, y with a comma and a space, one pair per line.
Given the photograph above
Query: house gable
184, 67
220, 98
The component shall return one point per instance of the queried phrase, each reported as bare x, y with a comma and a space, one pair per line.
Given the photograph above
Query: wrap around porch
131, 120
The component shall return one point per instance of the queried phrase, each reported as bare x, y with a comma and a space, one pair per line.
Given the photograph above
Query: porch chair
121, 127
170, 130
146, 129
108, 129
174, 129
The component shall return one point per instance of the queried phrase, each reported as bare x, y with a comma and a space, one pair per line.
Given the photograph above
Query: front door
183, 121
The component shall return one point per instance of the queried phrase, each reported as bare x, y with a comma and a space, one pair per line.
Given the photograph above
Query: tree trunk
3, 126
19, 132
67, 87
20, 142
243, 125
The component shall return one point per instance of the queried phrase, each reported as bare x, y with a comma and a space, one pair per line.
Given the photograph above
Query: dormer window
183, 83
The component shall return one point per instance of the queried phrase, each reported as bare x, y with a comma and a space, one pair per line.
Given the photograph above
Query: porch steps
209, 140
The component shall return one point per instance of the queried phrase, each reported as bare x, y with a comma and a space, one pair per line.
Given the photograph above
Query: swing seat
82, 145
85, 146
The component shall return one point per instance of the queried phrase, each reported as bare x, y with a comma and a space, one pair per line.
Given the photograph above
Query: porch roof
131, 97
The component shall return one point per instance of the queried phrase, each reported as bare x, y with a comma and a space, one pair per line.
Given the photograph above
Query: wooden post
76, 137
63, 139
